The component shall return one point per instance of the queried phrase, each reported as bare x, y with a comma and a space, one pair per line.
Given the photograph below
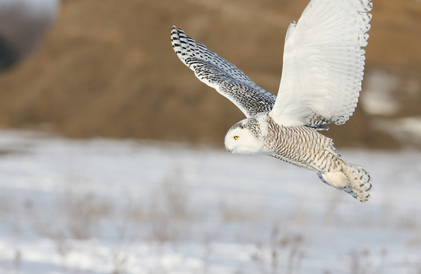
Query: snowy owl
323, 66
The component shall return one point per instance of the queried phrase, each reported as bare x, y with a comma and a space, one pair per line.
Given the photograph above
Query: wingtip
175, 31
180, 43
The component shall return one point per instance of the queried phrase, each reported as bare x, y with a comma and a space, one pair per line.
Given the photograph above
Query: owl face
243, 138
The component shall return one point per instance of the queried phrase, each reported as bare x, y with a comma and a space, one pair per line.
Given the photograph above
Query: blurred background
106, 68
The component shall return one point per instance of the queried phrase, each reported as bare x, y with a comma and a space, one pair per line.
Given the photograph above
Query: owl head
246, 137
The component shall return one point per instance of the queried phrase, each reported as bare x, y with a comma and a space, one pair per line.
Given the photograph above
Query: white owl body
323, 67
301, 146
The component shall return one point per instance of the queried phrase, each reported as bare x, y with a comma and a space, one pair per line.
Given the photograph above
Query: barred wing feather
221, 75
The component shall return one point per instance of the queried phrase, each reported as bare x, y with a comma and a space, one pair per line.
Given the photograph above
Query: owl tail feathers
353, 179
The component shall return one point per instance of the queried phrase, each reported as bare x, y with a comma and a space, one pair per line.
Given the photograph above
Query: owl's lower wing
323, 63
221, 75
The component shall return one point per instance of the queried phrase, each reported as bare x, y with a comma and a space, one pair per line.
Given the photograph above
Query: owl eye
236, 137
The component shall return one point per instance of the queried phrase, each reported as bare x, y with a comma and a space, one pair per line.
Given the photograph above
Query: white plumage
321, 79
323, 63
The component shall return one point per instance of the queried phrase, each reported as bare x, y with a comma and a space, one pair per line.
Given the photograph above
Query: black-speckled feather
221, 75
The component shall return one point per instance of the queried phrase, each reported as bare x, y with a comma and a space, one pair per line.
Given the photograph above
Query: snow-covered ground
106, 206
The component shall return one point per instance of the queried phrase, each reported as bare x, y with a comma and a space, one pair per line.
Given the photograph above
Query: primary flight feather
323, 66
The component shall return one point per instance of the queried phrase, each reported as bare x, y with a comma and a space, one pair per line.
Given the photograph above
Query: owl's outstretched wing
221, 75
323, 63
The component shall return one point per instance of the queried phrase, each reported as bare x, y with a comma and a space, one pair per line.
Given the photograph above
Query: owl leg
352, 179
